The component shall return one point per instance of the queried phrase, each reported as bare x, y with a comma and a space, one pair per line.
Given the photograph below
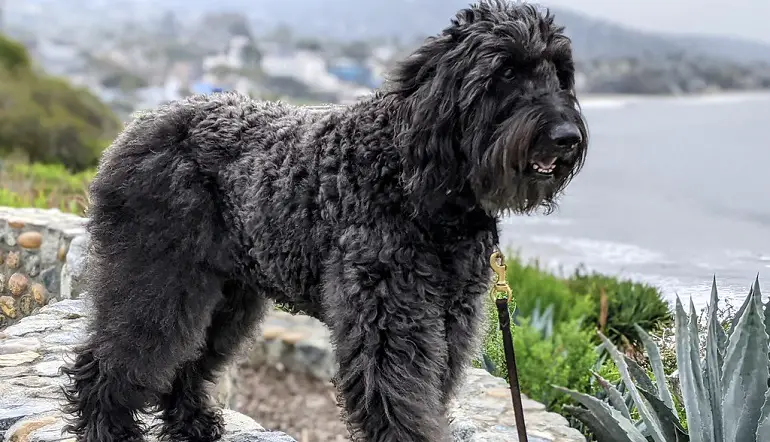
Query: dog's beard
517, 173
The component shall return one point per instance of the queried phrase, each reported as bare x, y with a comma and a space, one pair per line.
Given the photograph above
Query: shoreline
598, 100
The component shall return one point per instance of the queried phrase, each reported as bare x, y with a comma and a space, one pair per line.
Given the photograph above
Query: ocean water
674, 192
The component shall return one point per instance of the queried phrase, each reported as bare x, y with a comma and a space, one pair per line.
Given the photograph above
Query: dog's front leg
388, 330
464, 316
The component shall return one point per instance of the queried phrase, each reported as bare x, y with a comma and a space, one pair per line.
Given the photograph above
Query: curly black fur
377, 218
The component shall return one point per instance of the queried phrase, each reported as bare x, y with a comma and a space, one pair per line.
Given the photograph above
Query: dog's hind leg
388, 330
136, 346
187, 411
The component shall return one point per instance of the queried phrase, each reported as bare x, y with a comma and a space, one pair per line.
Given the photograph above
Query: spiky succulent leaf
699, 419
765, 310
713, 364
739, 313
745, 373
613, 395
604, 419
763, 430
648, 416
669, 422
639, 375
603, 432
676, 386
656, 361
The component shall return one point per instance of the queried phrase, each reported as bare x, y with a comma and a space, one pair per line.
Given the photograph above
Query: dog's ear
429, 85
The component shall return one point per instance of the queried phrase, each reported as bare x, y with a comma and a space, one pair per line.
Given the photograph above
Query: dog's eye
508, 74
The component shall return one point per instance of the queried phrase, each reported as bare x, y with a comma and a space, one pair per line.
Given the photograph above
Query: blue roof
204, 88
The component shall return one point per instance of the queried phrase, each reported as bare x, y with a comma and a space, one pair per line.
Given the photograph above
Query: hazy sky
741, 18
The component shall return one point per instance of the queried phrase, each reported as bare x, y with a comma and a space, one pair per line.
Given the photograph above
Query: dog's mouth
544, 166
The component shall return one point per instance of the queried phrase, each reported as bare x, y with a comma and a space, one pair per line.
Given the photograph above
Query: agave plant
725, 394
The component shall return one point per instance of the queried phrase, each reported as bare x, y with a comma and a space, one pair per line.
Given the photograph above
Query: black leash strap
497, 262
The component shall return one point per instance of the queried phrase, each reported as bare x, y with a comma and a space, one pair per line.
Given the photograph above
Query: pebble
30, 240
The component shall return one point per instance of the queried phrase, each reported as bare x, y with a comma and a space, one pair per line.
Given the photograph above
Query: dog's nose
565, 135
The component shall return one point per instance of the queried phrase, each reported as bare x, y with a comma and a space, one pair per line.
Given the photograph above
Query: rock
8, 306
18, 345
16, 224
483, 412
68, 307
33, 325
38, 293
76, 256
32, 265
30, 240
17, 284
16, 359
61, 253
26, 305
11, 411
13, 260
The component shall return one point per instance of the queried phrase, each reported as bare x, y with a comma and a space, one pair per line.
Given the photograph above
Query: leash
501, 287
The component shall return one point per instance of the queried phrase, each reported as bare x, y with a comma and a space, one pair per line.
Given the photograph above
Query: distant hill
408, 19
355, 19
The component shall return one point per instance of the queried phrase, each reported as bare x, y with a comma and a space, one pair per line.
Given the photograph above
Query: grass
44, 186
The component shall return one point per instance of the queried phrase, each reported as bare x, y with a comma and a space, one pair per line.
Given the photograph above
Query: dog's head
488, 110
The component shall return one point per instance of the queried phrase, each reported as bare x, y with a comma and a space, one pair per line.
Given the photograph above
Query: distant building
204, 88
352, 72
304, 66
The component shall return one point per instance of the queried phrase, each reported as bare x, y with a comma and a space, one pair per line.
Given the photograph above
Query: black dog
378, 218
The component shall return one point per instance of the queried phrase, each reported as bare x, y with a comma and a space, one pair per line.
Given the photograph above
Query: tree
13, 55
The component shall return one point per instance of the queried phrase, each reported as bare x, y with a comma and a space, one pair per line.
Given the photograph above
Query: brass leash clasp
497, 262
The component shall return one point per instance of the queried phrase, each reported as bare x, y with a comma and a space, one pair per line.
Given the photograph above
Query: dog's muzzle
560, 141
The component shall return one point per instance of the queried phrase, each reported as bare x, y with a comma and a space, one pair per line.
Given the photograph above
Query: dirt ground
298, 405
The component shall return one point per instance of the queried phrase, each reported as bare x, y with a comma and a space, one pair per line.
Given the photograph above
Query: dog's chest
465, 261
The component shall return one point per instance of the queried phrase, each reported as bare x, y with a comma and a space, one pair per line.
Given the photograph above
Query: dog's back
246, 187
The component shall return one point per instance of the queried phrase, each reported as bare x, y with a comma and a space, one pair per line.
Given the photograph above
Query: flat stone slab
31, 353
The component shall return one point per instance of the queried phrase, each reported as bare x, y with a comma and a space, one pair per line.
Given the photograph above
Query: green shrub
579, 296
628, 304
563, 354
46, 119
534, 288
13, 55
566, 357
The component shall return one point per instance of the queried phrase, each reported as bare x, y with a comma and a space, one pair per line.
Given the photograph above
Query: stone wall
41, 255
44, 316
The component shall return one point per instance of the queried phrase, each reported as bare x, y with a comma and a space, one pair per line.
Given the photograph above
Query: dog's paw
202, 426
